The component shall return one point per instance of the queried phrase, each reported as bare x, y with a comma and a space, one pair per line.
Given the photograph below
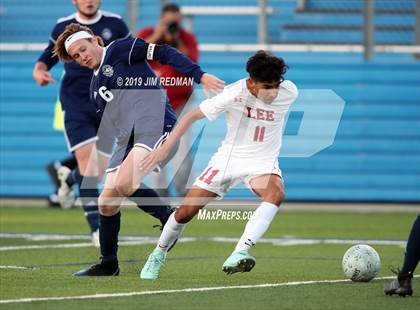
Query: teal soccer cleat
153, 265
239, 262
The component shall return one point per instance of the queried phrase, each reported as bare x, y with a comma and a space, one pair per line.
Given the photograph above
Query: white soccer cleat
95, 239
66, 196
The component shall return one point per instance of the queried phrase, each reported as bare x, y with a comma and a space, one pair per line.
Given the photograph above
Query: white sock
257, 225
170, 233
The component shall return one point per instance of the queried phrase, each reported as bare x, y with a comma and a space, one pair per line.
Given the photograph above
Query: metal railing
133, 14
371, 10
417, 30
368, 28
262, 11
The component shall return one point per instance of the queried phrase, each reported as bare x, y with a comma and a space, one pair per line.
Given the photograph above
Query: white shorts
224, 172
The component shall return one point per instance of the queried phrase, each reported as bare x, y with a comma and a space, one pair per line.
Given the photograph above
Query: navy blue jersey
76, 80
124, 70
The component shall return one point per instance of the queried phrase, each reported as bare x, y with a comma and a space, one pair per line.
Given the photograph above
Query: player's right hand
43, 77
211, 83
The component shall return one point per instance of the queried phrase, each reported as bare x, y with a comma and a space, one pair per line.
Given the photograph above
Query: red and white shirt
254, 128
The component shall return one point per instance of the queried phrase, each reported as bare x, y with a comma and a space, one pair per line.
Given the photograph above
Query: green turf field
316, 244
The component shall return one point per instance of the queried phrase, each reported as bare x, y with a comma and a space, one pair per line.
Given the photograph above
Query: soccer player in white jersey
255, 110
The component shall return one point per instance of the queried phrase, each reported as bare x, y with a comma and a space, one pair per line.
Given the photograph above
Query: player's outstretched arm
41, 74
166, 54
159, 155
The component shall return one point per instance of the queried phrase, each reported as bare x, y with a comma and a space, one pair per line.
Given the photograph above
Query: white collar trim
80, 20
95, 72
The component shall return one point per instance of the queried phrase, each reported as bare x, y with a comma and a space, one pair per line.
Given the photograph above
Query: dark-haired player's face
266, 92
85, 53
88, 8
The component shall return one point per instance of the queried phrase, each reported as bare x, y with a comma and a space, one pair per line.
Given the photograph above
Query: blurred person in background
169, 31
53, 166
81, 121
52, 171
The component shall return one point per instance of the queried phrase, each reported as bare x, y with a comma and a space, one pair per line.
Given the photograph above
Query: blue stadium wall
376, 153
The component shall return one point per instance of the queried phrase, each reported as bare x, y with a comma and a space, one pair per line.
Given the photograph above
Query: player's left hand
153, 159
211, 83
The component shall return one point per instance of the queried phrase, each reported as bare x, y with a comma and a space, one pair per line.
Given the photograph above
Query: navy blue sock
74, 178
159, 210
412, 253
70, 162
108, 236
88, 192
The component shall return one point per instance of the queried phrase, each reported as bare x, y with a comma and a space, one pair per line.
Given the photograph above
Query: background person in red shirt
169, 31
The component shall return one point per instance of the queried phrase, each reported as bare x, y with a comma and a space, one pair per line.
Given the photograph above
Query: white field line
185, 290
67, 245
17, 267
251, 204
44, 237
137, 240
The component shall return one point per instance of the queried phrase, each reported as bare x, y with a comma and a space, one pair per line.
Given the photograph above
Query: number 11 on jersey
259, 134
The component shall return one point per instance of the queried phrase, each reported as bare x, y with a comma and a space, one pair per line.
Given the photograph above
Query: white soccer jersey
254, 128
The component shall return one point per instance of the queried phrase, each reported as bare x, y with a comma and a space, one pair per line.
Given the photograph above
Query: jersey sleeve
137, 50
168, 55
129, 50
124, 31
215, 106
47, 56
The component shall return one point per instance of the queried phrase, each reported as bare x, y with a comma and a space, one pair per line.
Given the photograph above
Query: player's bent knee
125, 190
108, 210
275, 196
107, 206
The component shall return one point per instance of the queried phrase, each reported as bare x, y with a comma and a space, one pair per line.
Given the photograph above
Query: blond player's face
266, 92
86, 53
88, 8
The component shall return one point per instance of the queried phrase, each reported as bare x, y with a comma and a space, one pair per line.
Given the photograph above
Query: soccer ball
361, 263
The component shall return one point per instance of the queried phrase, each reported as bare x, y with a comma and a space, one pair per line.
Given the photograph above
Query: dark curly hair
266, 68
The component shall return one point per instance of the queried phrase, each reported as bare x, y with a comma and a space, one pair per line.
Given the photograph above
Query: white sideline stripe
43, 237
49, 246
137, 240
17, 267
341, 48
185, 290
69, 245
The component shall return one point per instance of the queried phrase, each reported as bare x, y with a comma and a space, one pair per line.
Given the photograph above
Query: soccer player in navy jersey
128, 94
81, 120
403, 284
